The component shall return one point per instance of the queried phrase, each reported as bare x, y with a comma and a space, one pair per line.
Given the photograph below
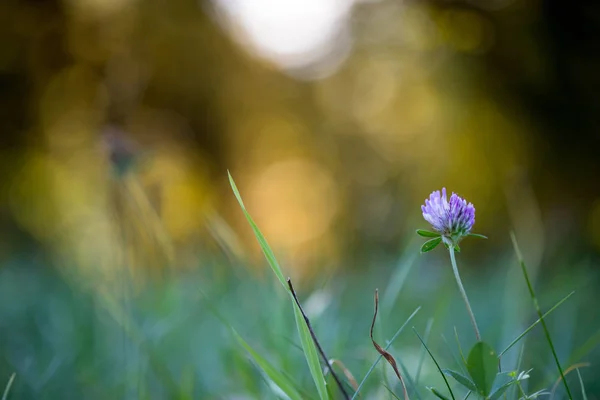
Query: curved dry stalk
389, 358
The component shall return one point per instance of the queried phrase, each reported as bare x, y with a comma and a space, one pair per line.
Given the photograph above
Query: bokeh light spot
294, 201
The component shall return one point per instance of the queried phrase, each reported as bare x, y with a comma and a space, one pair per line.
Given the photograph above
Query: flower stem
463, 293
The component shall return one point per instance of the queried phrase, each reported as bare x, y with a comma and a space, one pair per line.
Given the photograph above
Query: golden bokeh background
337, 118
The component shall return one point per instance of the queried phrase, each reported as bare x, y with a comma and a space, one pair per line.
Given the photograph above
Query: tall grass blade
385, 348
526, 331
8, 386
273, 373
514, 388
462, 366
391, 392
310, 351
462, 355
585, 348
422, 356
583, 394
567, 372
398, 278
539, 312
135, 334
259, 236
409, 379
278, 378
436, 364
437, 393
316, 341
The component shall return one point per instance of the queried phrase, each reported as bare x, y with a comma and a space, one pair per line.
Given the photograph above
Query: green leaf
437, 394
482, 364
477, 235
502, 382
310, 351
430, 244
460, 378
457, 248
273, 373
424, 233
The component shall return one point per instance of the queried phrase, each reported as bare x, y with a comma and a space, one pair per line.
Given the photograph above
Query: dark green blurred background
337, 118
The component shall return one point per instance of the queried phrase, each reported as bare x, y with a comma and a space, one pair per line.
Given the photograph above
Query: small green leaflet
424, 233
430, 244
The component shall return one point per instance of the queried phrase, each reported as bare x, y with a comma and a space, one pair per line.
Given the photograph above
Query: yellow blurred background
336, 118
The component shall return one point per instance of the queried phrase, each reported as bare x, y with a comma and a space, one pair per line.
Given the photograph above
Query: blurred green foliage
163, 341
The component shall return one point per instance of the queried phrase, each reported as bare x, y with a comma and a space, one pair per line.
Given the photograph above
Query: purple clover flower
449, 218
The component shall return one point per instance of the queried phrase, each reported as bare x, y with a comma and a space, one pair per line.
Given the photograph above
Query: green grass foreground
222, 333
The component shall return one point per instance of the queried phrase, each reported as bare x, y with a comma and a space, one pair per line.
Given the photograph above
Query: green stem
463, 293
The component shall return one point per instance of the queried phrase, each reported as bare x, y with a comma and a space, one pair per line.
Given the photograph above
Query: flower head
452, 219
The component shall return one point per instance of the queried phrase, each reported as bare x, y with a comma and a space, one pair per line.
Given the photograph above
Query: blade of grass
436, 364
277, 377
526, 331
259, 236
437, 393
8, 386
310, 351
385, 379
314, 338
462, 355
540, 314
391, 392
398, 278
583, 394
585, 348
273, 373
422, 356
567, 371
461, 367
385, 348
409, 379
135, 334
518, 368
